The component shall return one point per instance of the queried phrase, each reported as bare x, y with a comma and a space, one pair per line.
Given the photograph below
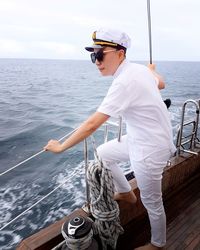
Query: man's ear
122, 53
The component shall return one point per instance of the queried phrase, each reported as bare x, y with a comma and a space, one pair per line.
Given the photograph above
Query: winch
78, 234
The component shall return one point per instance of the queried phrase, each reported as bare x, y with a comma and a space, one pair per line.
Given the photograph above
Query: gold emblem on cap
94, 35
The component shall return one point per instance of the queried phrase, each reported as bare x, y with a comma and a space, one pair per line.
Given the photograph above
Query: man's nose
97, 62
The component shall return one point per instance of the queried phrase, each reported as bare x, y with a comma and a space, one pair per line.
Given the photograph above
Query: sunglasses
99, 55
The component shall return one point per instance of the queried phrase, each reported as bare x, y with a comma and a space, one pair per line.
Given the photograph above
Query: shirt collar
120, 68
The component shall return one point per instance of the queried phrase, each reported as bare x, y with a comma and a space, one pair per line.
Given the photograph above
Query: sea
47, 99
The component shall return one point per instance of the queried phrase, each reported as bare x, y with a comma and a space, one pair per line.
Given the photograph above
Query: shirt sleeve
156, 80
116, 101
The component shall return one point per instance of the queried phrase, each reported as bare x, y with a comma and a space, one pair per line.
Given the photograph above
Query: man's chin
104, 73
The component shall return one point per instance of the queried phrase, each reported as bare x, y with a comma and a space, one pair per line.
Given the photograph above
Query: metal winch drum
78, 234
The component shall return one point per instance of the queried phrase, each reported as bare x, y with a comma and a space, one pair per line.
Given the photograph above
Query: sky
60, 29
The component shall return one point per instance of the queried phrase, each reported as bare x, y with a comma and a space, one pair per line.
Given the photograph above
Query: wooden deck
183, 221
183, 232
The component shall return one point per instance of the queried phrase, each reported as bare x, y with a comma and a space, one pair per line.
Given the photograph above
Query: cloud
37, 49
11, 47
7, 5
59, 49
50, 28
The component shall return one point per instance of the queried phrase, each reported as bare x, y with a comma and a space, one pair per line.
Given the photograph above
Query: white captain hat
109, 37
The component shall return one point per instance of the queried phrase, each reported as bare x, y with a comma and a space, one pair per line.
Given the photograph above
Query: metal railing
86, 206
68, 178
190, 139
115, 124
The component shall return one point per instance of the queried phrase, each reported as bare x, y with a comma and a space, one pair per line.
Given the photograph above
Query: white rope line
19, 164
63, 243
44, 197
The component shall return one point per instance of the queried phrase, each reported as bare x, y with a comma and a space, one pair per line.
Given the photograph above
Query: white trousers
148, 173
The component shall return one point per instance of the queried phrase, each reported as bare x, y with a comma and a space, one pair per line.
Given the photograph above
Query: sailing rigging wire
33, 156
44, 197
149, 29
42, 151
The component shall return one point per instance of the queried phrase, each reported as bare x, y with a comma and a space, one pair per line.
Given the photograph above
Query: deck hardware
192, 138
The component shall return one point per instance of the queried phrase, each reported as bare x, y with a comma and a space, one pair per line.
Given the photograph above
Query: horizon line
65, 59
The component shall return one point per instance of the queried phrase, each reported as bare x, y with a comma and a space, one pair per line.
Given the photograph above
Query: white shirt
135, 96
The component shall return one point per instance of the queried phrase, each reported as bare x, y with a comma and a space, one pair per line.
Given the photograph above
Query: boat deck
183, 232
183, 221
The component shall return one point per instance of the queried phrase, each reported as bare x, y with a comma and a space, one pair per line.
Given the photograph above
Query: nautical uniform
135, 96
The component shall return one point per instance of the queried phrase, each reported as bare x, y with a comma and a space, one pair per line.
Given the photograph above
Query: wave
16, 199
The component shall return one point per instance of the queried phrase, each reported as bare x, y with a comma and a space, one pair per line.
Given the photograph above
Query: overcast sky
60, 29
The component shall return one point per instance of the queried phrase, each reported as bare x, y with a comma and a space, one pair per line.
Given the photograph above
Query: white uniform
135, 96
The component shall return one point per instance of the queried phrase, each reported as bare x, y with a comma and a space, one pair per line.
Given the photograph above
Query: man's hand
161, 83
54, 146
151, 66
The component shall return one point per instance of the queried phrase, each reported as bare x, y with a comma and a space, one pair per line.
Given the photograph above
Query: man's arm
86, 129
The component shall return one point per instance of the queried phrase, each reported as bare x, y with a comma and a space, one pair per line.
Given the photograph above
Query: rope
5, 172
44, 197
103, 208
149, 28
19, 164
58, 247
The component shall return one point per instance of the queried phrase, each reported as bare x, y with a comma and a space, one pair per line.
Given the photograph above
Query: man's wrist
62, 147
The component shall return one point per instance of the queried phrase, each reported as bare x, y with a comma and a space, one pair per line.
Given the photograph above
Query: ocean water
46, 99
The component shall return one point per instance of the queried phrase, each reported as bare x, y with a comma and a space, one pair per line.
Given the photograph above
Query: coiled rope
103, 208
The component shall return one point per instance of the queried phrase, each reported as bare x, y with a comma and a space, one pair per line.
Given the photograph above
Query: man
135, 96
